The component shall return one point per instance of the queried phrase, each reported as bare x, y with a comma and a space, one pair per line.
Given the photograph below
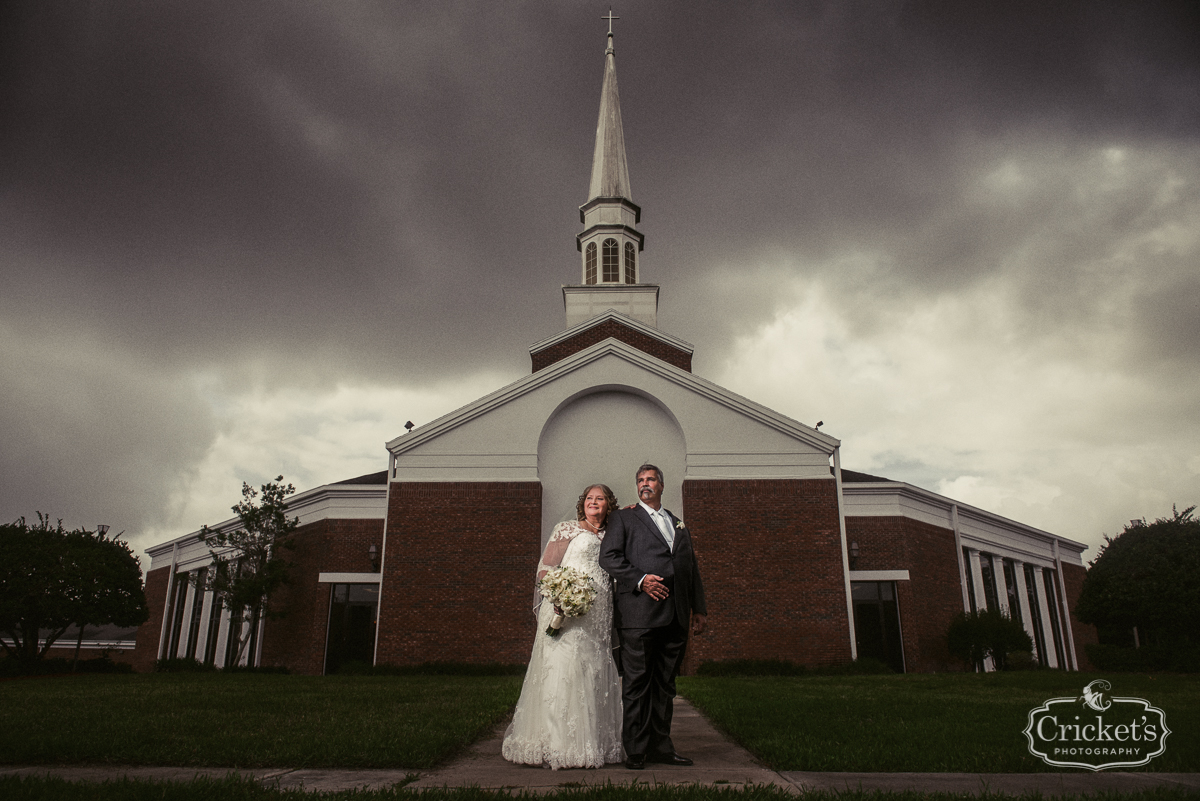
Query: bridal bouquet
570, 591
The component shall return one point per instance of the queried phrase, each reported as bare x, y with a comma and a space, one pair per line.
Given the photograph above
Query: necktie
664, 525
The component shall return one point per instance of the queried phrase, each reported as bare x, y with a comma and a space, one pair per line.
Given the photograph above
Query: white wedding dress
569, 715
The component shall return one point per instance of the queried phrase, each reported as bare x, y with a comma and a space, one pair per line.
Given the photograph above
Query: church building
433, 558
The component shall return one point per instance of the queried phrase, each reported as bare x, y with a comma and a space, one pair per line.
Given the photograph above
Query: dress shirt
663, 521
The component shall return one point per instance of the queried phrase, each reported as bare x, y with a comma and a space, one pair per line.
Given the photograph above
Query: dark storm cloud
211, 177
222, 175
302, 194
92, 438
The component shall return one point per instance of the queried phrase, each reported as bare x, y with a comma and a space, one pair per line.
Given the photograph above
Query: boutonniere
679, 524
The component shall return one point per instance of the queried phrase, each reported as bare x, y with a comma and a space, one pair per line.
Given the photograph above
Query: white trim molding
627, 353
879, 575
349, 578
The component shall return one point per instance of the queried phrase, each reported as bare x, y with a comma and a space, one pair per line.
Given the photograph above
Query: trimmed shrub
1022, 660
59, 667
267, 669
1114, 658
1174, 658
751, 667
975, 636
182, 665
782, 667
432, 669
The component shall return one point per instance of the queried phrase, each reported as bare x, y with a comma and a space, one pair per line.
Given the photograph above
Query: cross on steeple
610, 19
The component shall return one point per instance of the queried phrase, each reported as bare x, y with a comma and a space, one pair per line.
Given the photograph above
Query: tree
110, 582
247, 566
51, 578
1148, 576
976, 636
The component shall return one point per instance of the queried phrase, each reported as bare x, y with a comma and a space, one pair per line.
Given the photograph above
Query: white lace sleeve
556, 548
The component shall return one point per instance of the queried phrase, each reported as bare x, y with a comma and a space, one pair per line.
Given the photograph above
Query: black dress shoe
669, 759
635, 761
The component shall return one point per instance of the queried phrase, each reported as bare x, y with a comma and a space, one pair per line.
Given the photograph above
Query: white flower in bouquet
570, 591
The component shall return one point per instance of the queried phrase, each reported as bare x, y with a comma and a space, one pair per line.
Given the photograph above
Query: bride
569, 715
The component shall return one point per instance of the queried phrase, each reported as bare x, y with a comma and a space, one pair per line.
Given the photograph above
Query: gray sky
243, 239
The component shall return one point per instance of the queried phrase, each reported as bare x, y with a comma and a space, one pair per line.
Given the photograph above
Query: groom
648, 552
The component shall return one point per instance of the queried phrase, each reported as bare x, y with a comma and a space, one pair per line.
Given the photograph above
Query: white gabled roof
612, 352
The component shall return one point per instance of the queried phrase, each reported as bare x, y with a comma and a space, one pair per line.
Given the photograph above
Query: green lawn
948, 722
922, 722
245, 720
232, 789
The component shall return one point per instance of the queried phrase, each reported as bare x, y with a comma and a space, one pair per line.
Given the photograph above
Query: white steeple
610, 246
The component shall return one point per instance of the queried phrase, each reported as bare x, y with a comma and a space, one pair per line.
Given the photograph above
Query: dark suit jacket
634, 547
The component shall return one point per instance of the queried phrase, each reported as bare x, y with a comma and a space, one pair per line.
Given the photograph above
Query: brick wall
612, 328
146, 653
459, 572
297, 640
1073, 576
931, 596
770, 557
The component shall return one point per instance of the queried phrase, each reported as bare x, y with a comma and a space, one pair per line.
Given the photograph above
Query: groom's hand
699, 622
653, 586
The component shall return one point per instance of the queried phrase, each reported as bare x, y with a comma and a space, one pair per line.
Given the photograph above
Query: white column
977, 579
1001, 585
185, 621
168, 612
958, 553
202, 635
837, 474
258, 643
222, 638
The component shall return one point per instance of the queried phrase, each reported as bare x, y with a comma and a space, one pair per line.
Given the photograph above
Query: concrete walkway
718, 763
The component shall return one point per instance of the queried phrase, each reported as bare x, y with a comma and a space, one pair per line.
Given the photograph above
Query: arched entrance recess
601, 438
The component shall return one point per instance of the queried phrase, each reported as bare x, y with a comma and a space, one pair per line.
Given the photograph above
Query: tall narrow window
589, 262
1051, 585
1035, 612
214, 628
611, 256
970, 578
181, 588
252, 645
989, 581
197, 609
1010, 586
232, 637
630, 263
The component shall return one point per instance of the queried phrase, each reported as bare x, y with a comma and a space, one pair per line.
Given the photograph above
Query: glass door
351, 637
